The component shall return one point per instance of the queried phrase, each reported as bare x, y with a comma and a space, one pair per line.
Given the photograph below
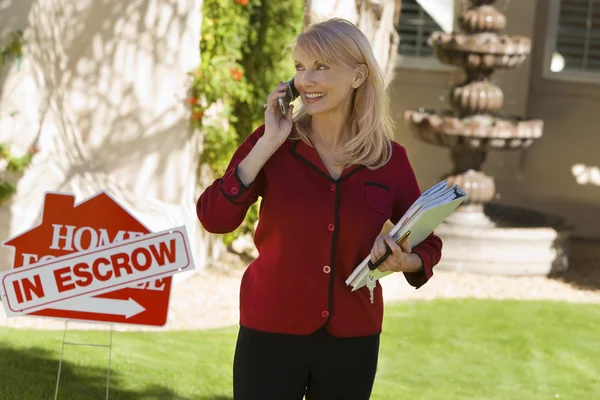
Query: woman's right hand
277, 126
277, 129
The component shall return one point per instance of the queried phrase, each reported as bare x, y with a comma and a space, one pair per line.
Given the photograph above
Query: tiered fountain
483, 237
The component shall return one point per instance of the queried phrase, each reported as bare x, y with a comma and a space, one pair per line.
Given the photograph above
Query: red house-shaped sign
67, 228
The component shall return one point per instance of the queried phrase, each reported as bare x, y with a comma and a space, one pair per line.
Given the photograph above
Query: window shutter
414, 27
578, 36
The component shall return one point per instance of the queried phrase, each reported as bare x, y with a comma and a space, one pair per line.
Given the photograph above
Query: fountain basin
519, 242
473, 133
483, 51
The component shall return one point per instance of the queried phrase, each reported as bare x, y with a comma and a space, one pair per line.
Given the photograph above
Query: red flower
33, 149
242, 2
236, 74
197, 73
192, 101
197, 115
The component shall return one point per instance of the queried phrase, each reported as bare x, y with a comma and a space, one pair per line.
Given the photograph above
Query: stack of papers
421, 219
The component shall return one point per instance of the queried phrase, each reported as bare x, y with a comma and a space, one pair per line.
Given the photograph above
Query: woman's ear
362, 72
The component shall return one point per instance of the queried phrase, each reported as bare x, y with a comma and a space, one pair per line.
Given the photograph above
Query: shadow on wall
108, 68
110, 82
13, 18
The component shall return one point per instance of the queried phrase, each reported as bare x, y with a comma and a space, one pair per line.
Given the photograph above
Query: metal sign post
64, 342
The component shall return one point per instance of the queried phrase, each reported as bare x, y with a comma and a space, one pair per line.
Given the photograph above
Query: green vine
220, 78
267, 57
14, 49
13, 166
245, 50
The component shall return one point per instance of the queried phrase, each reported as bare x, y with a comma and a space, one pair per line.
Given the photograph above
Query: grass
439, 350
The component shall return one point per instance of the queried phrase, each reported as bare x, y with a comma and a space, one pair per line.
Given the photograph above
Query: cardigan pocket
379, 198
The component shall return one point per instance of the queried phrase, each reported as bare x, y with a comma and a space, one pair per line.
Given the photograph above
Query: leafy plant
220, 78
245, 49
267, 58
14, 49
12, 167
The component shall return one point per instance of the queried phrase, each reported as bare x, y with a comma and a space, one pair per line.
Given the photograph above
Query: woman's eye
318, 67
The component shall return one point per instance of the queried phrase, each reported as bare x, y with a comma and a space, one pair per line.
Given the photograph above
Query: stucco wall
103, 84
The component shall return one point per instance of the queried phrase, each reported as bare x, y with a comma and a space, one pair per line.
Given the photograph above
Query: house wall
542, 176
103, 87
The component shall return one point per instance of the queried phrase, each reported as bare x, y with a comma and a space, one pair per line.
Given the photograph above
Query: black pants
271, 366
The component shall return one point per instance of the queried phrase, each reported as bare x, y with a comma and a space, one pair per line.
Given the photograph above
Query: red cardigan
312, 232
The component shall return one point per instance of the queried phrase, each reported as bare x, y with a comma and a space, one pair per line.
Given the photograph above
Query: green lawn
439, 350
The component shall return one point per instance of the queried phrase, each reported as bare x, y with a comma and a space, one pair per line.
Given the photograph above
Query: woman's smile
313, 97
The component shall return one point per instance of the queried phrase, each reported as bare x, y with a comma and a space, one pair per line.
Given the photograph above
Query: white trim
573, 76
426, 63
550, 46
441, 11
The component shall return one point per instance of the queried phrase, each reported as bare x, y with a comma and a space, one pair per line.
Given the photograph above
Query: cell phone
291, 95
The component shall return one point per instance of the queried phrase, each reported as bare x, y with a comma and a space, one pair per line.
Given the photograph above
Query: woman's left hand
401, 259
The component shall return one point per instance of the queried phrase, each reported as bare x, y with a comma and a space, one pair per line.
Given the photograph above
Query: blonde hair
371, 126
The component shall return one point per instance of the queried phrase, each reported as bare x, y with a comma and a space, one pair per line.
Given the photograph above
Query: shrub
245, 49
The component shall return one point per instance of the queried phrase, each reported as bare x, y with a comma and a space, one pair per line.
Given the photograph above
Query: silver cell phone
291, 95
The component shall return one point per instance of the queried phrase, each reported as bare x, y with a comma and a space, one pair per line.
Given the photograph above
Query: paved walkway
209, 299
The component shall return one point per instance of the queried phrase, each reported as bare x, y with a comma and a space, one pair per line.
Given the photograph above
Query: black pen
388, 252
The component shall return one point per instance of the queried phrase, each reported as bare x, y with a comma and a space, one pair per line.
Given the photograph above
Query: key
371, 283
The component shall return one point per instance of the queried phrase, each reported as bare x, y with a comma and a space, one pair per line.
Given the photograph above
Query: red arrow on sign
68, 228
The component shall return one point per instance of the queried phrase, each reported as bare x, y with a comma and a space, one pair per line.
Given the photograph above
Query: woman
329, 179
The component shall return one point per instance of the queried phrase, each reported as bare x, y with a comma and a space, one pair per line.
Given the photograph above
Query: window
414, 27
573, 43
